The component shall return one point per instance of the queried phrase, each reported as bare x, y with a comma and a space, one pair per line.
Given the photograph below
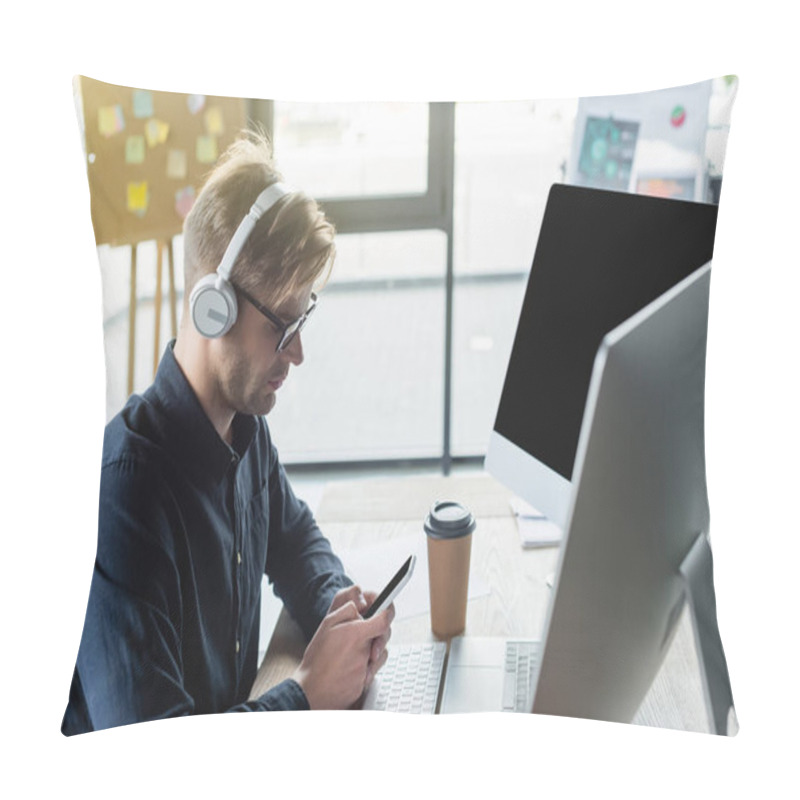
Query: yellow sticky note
156, 132
206, 149
110, 120
214, 122
134, 149
138, 197
176, 164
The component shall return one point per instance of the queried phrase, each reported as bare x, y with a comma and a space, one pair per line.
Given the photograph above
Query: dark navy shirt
187, 527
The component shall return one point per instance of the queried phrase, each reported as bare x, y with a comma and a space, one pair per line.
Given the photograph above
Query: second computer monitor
601, 257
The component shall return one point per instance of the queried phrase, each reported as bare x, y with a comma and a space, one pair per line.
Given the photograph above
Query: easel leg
132, 322
173, 303
157, 304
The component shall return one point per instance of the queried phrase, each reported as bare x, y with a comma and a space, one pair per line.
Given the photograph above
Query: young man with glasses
194, 504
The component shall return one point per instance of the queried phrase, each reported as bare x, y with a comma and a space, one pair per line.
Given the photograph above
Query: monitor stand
697, 571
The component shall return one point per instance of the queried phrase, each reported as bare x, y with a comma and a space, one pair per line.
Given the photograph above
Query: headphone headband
262, 204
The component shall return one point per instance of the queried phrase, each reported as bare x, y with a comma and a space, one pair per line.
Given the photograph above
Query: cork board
147, 155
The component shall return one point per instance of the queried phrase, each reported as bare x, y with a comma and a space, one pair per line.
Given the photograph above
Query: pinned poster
206, 149
214, 122
134, 149
142, 104
195, 102
184, 200
176, 164
138, 197
156, 132
110, 120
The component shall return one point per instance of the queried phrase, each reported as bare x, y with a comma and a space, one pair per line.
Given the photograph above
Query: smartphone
392, 589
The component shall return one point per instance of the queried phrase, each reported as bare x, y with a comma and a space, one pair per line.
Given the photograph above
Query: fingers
382, 640
375, 666
384, 622
375, 627
370, 597
378, 647
344, 613
372, 628
369, 636
347, 595
378, 625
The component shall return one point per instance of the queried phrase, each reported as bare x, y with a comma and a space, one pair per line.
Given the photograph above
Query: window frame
431, 210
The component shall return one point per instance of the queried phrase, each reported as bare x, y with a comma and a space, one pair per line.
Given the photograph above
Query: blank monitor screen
600, 258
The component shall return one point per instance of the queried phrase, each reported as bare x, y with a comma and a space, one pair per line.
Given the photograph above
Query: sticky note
134, 149
138, 197
142, 104
110, 120
206, 149
184, 200
176, 164
156, 132
195, 103
213, 120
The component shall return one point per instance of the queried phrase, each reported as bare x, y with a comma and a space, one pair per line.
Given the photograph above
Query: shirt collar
188, 432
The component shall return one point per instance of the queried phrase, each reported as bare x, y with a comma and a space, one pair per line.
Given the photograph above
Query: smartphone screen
392, 588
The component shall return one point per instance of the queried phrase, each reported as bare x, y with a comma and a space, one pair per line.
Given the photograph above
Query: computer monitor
601, 257
636, 544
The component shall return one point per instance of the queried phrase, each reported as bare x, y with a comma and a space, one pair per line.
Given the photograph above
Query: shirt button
239, 557
237, 645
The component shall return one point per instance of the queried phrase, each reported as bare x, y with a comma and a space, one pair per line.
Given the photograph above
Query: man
194, 504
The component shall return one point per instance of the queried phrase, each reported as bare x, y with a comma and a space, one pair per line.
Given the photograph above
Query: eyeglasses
288, 331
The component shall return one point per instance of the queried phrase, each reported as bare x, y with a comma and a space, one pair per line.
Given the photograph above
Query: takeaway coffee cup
449, 527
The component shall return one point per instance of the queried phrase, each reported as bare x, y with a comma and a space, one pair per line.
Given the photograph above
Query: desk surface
360, 513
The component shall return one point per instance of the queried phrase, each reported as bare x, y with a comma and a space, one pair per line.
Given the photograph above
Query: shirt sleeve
130, 664
301, 564
286, 696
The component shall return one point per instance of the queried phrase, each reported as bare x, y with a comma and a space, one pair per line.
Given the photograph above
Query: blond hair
291, 246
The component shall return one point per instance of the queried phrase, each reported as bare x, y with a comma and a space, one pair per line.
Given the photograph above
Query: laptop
490, 674
478, 674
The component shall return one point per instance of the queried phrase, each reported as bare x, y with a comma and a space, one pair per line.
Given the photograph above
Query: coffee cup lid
448, 519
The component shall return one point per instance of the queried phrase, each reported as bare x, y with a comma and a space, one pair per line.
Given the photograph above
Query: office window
507, 155
372, 384
353, 149
400, 257
484, 322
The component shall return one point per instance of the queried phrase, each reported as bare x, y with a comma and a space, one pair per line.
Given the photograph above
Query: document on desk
372, 566
535, 529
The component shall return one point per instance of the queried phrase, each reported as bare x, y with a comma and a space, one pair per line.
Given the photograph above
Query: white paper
372, 567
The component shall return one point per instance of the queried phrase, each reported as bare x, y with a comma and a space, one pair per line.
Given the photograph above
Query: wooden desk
359, 513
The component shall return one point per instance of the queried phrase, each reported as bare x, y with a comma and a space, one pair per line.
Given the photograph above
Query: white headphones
213, 300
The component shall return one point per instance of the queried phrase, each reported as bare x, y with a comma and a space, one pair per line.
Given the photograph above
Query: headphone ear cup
213, 306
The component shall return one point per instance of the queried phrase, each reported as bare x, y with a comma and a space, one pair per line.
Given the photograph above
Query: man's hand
378, 655
363, 601
345, 653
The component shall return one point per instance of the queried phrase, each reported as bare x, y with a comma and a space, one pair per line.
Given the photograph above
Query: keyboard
409, 680
518, 680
